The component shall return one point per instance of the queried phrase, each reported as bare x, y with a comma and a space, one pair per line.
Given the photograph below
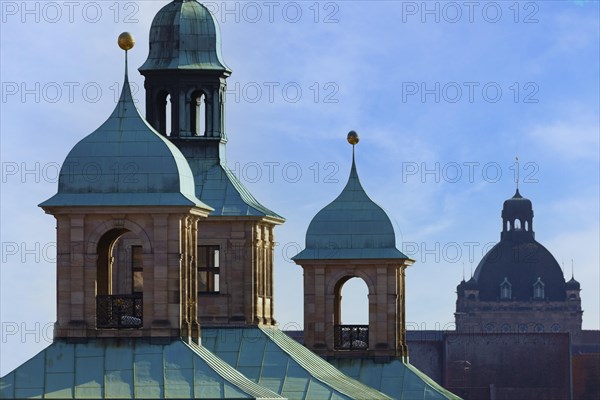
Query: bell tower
98, 296
353, 237
236, 247
186, 66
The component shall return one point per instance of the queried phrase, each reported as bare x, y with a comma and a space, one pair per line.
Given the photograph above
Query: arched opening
351, 314
168, 130
105, 263
198, 114
517, 224
527, 226
119, 281
507, 226
163, 112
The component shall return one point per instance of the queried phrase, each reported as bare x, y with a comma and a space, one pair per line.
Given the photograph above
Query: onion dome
184, 35
125, 162
351, 227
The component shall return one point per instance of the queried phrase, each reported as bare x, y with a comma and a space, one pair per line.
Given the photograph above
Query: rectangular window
208, 269
137, 270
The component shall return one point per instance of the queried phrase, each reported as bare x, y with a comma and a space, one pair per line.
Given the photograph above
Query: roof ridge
321, 369
232, 375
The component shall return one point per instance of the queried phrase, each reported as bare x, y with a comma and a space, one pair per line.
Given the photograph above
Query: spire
126, 43
517, 174
572, 270
353, 180
353, 139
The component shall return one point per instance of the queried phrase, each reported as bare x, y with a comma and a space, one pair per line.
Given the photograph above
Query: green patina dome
125, 162
184, 35
351, 227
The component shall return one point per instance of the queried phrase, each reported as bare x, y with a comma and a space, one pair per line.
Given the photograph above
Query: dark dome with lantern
518, 260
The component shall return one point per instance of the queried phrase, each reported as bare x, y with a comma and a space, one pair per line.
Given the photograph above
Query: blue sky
443, 95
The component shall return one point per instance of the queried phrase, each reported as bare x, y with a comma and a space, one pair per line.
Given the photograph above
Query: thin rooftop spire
517, 172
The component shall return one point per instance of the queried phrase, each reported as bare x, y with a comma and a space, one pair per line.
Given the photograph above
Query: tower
518, 286
236, 248
185, 64
125, 178
353, 237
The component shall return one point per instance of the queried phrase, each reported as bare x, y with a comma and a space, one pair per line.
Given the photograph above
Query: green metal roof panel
277, 361
222, 190
397, 379
184, 35
125, 162
134, 368
352, 226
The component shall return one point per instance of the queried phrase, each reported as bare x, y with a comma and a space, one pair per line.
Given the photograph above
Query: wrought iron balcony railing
119, 311
351, 337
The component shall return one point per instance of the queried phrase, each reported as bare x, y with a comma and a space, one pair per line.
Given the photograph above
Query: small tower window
517, 225
538, 289
208, 269
168, 117
505, 290
198, 114
162, 122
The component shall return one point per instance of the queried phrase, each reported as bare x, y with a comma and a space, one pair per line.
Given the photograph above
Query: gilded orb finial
353, 138
126, 41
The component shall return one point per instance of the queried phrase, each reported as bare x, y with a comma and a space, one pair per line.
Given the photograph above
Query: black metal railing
119, 311
351, 337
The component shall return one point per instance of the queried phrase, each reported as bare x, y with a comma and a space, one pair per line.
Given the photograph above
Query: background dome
521, 263
184, 35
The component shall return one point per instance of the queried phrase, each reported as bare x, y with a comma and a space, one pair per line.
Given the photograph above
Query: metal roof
184, 35
351, 227
223, 191
272, 359
125, 162
397, 379
128, 368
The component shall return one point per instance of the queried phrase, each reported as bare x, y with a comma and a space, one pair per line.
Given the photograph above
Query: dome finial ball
353, 138
126, 41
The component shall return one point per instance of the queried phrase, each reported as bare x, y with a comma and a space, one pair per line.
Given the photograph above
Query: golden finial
353, 138
126, 41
